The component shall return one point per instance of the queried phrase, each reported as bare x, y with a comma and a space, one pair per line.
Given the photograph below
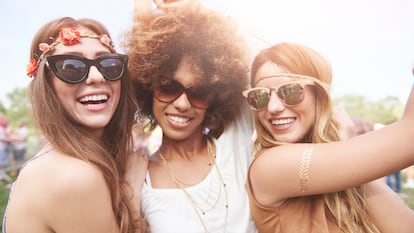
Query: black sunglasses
198, 96
75, 69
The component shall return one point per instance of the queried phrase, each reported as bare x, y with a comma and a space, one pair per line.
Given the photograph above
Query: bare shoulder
60, 172
56, 185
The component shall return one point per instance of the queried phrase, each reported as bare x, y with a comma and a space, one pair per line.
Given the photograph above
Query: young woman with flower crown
301, 183
84, 106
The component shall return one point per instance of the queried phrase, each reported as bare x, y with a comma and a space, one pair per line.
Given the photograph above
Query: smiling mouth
94, 99
179, 120
283, 121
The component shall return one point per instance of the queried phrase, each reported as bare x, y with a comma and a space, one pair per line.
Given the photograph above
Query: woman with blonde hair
303, 179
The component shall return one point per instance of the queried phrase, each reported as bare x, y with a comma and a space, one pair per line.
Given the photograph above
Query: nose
94, 76
275, 104
182, 102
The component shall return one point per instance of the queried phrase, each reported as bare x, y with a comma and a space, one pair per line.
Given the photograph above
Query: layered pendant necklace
200, 211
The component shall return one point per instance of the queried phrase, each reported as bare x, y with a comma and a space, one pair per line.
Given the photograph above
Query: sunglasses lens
258, 99
291, 94
111, 68
199, 96
168, 92
71, 70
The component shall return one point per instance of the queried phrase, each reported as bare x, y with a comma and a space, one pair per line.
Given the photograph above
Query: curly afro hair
157, 43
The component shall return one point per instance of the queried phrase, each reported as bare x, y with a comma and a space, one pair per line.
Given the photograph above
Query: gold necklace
193, 202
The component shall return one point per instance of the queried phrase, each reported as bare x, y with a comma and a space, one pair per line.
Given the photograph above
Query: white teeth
283, 121
180, 120
101, 97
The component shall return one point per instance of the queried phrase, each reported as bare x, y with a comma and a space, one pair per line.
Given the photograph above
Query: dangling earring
206, 131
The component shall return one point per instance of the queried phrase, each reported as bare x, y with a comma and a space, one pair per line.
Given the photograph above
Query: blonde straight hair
347, 207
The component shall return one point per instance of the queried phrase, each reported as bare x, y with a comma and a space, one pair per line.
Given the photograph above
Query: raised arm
180, 6
142, 8
292, 170
135, 176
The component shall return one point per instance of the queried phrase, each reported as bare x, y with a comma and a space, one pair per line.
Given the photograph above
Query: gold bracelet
305, 162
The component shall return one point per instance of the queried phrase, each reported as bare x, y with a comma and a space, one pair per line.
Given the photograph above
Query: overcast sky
370, 43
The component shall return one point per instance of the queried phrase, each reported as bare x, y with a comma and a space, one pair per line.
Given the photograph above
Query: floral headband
67, 36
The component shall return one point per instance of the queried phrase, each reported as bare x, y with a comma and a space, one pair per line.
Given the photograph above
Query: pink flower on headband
44, 47
69, 35
31, 68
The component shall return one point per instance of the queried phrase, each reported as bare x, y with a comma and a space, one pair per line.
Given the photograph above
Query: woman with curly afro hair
190, 70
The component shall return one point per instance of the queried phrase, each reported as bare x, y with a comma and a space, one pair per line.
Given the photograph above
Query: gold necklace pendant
210, 205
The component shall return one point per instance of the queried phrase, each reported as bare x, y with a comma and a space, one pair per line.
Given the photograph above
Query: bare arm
142, 8
180, 6
334, 166
135, 176
398, 217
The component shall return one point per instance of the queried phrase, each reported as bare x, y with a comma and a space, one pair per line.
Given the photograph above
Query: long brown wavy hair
108, 153
157, 43
346, 207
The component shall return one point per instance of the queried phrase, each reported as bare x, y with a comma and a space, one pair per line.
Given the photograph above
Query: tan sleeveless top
296, 215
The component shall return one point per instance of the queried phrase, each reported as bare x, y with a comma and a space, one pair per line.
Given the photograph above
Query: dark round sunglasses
198, 96
75, 69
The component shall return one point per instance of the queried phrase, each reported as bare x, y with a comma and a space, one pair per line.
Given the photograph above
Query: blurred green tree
384, 111
2, 108
19, 108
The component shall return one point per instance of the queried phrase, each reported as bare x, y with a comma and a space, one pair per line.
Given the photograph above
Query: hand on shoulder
179, 6
137, 169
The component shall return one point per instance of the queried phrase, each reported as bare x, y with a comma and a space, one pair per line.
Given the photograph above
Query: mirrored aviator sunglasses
290, 94
198, 96
75, 69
